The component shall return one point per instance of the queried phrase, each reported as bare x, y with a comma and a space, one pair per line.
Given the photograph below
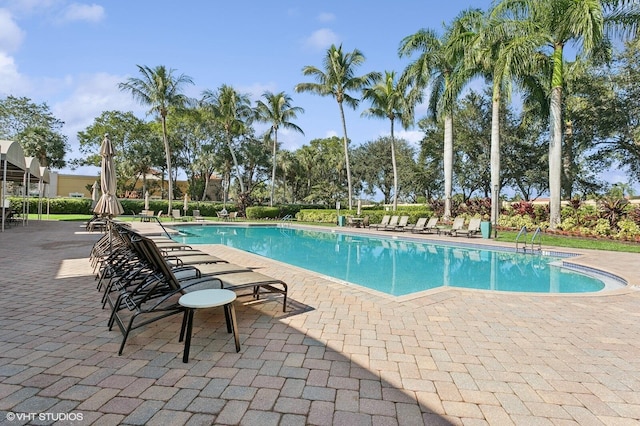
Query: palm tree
389, 100
440, 65
556, 23
502, 55
161, 90
278, 111
233, 111
337, 80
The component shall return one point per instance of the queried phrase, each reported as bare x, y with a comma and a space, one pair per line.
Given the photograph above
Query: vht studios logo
51, 417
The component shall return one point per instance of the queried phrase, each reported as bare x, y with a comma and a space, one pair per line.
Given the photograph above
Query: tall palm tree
389, 100
439, 65
278, 111
556, 23
233, 111
337, 80
161, 89
502, 55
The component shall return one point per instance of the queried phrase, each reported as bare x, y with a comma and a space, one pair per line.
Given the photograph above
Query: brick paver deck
339, 356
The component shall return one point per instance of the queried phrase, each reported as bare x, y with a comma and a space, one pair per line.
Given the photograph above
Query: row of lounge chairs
141, 278
424, 225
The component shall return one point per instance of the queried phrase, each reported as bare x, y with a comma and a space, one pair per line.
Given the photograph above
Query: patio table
207, 299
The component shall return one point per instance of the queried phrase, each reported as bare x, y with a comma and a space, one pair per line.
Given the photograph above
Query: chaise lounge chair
472, 229
419, 225
384, 222
197, 217
429, 227
393, 222
175, 214
401, 224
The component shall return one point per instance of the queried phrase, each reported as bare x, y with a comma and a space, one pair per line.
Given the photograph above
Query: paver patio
340, 355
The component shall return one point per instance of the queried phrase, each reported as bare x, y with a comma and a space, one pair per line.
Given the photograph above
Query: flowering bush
628, 229
516, 221
602, 228
568, 224
611, 218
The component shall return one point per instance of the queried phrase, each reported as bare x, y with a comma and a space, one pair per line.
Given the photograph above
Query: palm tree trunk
568, 162
555, 143
395, 170
495, 155
555, 158
235, 162
206, 184
448, 164
346, 155
167, 150
273, 170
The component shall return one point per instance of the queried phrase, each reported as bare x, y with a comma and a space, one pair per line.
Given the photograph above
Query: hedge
134, 206
375, 215
83, 206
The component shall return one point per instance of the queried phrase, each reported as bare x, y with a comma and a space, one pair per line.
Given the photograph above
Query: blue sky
72, 55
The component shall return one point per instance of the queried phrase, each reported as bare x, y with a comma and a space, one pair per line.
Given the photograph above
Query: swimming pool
396, 266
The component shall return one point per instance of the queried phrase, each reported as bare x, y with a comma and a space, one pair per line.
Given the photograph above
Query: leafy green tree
618, 114
389, 100
323, 164
370, 166
194, 141
472, 154
278, 111
35, 128
525, 156
337, 80
591, 113
429, 174
255, 155
160, 89
138, 148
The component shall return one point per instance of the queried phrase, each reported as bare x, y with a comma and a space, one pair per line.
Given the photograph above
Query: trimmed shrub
261, 212
375, 216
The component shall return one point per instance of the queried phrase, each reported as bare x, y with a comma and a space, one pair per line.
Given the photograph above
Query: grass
503, 236
574, 242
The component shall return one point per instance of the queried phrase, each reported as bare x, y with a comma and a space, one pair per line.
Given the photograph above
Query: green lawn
503, 236
573, 242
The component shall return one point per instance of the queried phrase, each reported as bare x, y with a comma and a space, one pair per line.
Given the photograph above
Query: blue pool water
395, 266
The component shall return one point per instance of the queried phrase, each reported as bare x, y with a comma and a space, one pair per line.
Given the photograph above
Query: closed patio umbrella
146, 200
94, 194
108, 205
185, 204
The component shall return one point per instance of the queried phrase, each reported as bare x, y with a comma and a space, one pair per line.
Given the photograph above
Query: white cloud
90, 96
326, 17
83, 12
11, 35
412, 136
11, 81
322, 39
30, 6
256, 90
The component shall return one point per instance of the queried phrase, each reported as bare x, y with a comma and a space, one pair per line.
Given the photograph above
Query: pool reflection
396, 266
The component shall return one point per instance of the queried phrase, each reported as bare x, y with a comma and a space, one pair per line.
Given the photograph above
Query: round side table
207, 299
